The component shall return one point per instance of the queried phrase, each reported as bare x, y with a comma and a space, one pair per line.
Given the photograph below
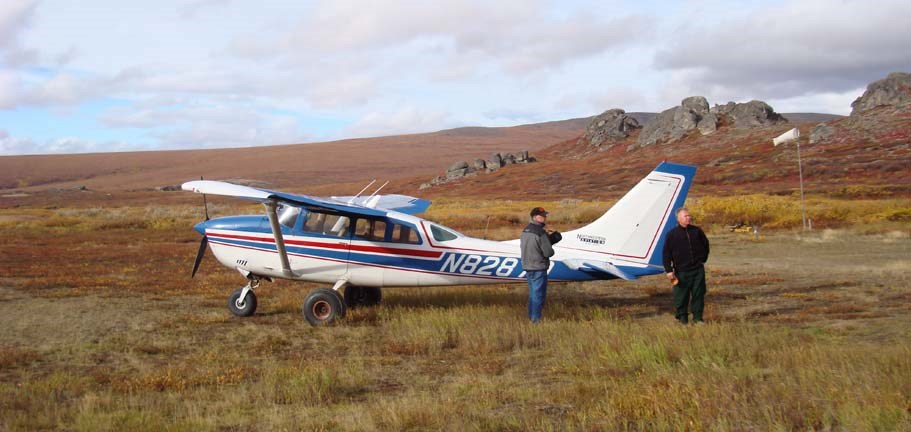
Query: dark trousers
689, 293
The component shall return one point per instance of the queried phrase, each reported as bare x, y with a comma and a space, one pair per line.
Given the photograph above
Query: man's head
538, 214
683, 217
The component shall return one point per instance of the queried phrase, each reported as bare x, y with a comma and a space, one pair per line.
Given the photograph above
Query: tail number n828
480, 265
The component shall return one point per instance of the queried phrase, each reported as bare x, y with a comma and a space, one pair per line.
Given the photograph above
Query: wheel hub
322, 309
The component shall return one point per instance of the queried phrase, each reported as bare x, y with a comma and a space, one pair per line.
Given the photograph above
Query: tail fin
634, 228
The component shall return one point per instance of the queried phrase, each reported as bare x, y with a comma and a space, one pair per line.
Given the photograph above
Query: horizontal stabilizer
604, 267
399, 203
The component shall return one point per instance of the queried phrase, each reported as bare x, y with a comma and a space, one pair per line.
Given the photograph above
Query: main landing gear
324, 305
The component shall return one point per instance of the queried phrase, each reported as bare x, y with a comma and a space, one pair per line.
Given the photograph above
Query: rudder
634, 228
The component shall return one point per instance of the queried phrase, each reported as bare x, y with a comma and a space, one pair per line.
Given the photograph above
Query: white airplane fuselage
396, 249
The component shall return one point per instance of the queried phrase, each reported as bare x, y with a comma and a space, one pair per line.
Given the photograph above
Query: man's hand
554, 237
670, 276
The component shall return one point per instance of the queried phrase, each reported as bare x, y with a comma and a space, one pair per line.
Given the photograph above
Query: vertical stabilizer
634, 228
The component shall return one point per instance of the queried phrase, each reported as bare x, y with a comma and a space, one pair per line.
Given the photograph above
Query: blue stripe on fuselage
450, 263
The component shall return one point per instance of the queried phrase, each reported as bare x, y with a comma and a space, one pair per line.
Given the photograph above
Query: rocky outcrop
894, 90
609, 128
749, 115
694, 114
457, 170
672, 124
463, 169
820, 133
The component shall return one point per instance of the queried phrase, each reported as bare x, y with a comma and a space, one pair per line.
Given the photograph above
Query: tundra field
103, 329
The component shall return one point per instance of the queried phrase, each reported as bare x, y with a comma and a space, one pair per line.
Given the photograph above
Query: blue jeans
537, 293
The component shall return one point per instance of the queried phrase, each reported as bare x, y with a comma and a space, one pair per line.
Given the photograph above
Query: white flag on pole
790, 135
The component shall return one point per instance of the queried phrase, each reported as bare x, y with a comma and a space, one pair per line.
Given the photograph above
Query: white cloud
10, 145
599, 100
403, 121
795, 48
15, 16
518, 36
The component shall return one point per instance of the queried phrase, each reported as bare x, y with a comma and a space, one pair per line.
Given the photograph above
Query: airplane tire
323, 306
356, 296
242, 308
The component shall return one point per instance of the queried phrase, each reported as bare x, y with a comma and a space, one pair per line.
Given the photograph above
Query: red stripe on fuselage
360, 263
342, 246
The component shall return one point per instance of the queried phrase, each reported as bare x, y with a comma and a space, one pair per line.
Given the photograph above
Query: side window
370, 229
404, 234
326, 224
442, 235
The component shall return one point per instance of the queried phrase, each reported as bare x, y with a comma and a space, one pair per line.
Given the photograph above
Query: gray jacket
536, 247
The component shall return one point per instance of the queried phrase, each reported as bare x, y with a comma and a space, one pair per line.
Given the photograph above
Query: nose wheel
242, 302
323, 306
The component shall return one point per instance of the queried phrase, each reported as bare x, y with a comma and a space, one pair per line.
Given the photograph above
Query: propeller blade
199, 255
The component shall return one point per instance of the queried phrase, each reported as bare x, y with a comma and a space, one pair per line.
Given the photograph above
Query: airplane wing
212, 187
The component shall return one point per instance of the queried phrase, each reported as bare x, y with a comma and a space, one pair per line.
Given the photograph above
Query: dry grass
104, 330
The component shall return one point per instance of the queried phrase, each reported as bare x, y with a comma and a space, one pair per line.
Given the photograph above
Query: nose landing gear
242, 301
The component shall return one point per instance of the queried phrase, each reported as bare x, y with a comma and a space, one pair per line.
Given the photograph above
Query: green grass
104, 330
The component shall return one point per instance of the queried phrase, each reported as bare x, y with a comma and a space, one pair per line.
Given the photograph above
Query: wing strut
271, 207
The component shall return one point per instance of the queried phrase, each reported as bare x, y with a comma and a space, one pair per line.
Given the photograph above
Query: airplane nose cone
201, 227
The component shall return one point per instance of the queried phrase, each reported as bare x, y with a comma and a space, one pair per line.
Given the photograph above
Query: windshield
441, 234
287, 215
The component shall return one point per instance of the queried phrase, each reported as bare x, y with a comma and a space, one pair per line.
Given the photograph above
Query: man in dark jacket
536, 245
686, 249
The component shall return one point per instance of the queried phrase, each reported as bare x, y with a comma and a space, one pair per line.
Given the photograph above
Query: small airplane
364, 243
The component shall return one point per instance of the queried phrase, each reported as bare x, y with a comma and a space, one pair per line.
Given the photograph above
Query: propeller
199, 255
205, 239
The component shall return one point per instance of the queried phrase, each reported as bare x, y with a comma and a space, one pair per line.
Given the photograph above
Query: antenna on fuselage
351, 201
367, 202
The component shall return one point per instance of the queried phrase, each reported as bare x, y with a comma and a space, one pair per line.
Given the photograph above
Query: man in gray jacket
536, 245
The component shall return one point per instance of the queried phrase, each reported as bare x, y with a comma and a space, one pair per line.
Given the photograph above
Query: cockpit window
287, 215
441, 235
326, 224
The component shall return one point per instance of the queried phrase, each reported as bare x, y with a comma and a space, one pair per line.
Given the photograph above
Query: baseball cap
538, 211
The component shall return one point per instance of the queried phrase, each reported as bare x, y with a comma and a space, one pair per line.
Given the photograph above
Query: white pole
803, 210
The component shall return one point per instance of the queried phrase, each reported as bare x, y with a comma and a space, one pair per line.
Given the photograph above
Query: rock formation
820, 133
894, 90
673, 123
463, 169
609, 128
748, 115
694, 114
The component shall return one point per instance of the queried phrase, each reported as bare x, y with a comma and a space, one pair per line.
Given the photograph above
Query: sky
99, 76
